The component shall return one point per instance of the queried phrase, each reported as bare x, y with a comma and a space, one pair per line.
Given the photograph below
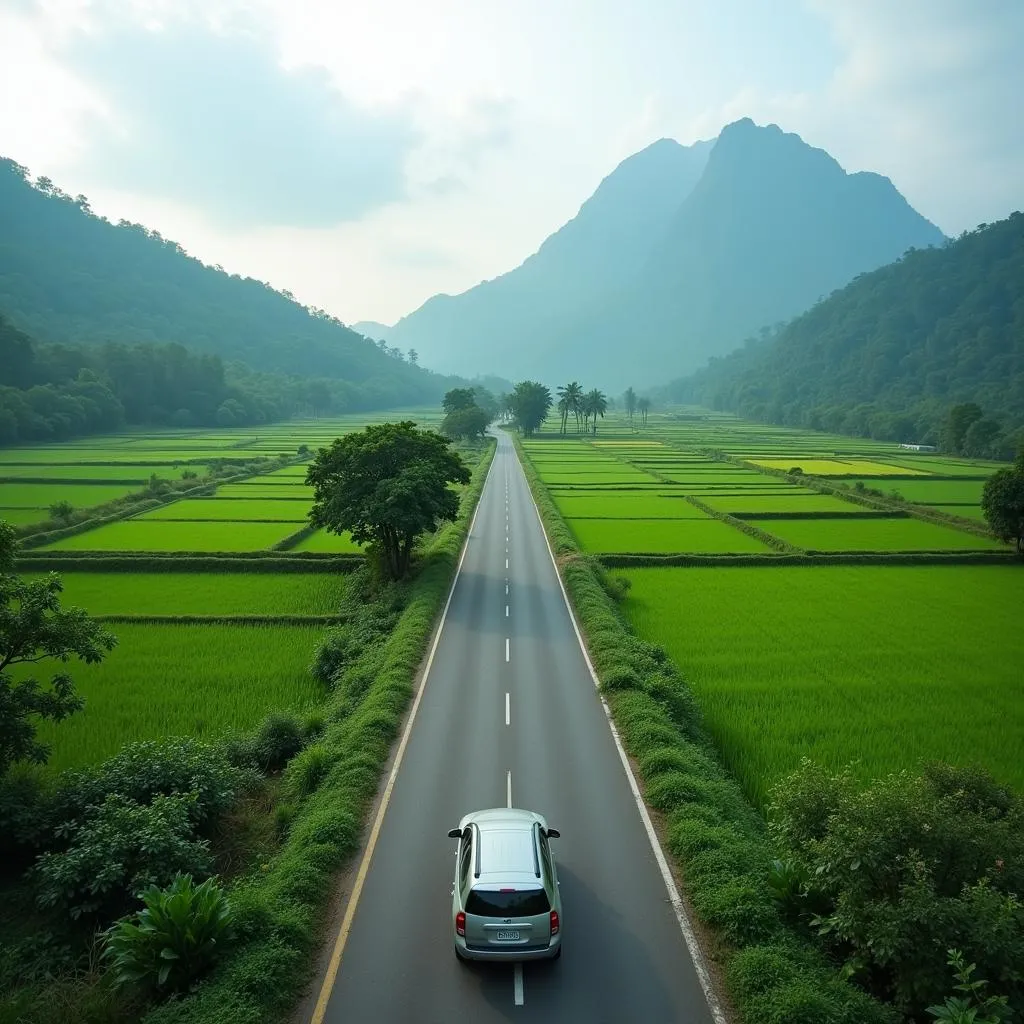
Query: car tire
558, 954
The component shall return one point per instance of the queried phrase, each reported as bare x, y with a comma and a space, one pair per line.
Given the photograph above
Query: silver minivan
505, 901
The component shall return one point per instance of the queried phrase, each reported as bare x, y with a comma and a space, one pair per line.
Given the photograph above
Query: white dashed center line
506, 648
517, 984
508, 711
508, 788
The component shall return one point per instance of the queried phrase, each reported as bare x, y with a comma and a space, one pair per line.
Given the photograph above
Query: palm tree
571, 394
595, 404
644, 407
629, 398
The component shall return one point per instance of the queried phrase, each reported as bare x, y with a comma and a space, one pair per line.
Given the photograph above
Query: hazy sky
366, 154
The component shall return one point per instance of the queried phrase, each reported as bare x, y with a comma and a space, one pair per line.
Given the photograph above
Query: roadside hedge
279, 911
718, 841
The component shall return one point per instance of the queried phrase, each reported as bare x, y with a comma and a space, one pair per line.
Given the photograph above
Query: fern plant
174, 939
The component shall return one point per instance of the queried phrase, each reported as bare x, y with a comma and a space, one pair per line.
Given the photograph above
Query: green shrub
118, 848
139, 772
907, 868
277, 741
174, 939
307, 770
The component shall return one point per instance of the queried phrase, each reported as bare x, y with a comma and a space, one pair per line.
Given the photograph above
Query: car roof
506, 843
503, 817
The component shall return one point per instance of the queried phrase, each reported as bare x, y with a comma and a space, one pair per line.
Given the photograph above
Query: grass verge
716, 838
280, 909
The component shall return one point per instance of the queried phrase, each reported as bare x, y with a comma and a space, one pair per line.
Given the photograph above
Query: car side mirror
455, 833
553, 833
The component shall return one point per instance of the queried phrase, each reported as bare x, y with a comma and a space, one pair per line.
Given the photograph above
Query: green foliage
1002, 502
884, 356
908, 866
973, 1006
959, 422
466, 424
386, 484
141, 772
278, 739
458, 399
61, 511
33, 626
175, 939
115, 849
529, 404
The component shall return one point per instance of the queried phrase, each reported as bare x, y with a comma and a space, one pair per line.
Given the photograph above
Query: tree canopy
529, 403
386, 484
890, 354
34, 628
1002, 502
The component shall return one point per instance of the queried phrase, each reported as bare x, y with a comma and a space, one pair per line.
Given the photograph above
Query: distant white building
920, 447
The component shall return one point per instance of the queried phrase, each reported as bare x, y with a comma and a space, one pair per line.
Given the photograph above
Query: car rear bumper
513, 954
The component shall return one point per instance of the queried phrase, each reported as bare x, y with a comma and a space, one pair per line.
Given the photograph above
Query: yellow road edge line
353, 901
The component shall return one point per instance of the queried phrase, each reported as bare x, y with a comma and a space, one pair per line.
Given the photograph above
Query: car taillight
460, 923
554, 922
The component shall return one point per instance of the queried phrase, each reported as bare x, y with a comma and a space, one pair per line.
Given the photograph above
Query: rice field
661, 536
876, 534
236, 509
154, 535
166, 680
169, 678
880, 665
193, 593
321, 540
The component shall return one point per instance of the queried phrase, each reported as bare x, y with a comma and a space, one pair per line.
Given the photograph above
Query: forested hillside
890, 354
70, 277
680, 253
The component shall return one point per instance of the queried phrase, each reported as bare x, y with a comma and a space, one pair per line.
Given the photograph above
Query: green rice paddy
879, 665
239, 510
876, 534
661, 536
154, 535
193, 593
183, 680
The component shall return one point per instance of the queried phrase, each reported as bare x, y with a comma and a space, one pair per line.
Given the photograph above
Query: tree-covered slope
71, 277
888, 355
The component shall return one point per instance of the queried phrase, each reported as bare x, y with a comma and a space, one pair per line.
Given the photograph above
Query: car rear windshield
518, 903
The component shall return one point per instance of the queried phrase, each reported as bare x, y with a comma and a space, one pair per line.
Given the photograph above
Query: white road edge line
689, 935
508, 710
517, 984
508, 789
331, 975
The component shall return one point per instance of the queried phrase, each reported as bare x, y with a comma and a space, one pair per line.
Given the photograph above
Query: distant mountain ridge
889, 354
679, 254
597, 252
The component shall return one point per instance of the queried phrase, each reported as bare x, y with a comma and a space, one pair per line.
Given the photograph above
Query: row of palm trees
584, 406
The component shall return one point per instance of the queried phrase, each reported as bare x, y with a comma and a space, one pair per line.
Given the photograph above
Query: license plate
508, 936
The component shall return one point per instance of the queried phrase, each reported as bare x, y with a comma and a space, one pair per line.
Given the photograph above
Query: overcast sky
366, 154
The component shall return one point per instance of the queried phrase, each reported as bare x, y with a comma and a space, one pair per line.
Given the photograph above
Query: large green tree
469, 423
34, 628
386, 484
959, 421
530, 403
1002, 502
458, 398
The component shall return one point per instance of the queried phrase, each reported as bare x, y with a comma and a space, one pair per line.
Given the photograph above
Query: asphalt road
508, 632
